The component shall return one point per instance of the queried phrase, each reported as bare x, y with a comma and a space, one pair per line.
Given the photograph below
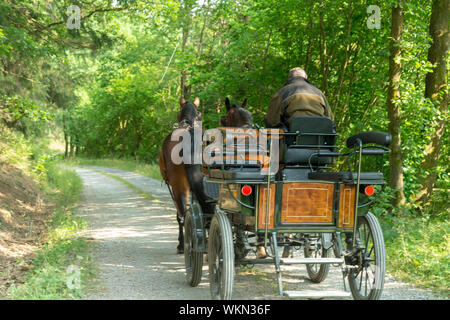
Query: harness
184, 124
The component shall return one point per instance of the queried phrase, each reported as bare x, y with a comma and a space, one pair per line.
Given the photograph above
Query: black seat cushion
247, 175
302, 156
366, 177
376, 137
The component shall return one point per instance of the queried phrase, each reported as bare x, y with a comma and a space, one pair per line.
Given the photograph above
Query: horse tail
194, 175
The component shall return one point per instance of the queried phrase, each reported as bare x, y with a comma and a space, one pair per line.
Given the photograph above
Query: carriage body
301, 198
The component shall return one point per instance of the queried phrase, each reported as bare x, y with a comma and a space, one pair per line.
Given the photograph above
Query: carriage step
314, 294
287, 261
256, 261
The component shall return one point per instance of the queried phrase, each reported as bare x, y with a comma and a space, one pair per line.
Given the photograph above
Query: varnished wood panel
347, 206
304, 202
262, 206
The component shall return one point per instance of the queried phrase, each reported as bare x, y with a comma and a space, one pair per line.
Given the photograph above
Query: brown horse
239, 117
175, 174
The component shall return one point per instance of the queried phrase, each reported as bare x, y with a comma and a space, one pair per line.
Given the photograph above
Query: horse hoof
261, 253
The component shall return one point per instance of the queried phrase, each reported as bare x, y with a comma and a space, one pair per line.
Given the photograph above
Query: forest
105, 76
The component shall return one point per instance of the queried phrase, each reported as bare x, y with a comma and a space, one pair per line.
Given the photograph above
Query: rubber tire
221, 238
324, 269
380, 260
193, 260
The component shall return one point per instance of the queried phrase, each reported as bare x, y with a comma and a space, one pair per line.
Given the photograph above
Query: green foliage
418, 251
14, 148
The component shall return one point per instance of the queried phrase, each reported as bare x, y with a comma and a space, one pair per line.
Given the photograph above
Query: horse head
188, 116
237, 116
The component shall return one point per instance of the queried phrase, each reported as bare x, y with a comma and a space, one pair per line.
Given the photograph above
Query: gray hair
297, 72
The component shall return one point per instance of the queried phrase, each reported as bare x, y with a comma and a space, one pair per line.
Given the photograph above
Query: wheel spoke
370, 254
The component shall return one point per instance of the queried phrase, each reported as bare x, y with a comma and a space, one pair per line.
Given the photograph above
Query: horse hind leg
180, 201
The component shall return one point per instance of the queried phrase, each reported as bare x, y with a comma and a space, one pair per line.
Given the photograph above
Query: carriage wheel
221, 257
193, 260
317, 272
366, 282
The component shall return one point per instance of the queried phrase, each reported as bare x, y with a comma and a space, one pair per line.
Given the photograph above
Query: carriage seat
348, 178
313, 136
239, 175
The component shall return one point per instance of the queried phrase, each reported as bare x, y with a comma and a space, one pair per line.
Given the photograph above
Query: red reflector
246, 190
369, 190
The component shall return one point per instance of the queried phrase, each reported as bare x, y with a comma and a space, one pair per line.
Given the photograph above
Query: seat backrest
313, 125
314, 133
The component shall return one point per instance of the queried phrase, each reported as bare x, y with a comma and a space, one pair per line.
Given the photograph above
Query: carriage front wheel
193, 259
367, 280
318, 272
221, 257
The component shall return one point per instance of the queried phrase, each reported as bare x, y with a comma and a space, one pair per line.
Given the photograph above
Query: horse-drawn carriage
300, 205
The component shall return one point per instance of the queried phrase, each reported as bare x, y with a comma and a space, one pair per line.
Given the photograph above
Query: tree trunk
393, 106
266, 52
72, 146
202, 33
345, 61
66, 138
323, 55
186, 25
436, 89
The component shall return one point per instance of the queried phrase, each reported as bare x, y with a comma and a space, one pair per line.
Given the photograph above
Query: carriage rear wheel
221, 257
193, 260
317, 272
367, 281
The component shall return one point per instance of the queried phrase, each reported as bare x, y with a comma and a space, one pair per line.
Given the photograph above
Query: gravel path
135, 248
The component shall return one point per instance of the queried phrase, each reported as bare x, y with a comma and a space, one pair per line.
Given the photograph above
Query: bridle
184, 124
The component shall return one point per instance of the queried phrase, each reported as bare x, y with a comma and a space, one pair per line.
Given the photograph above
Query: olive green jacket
297, 98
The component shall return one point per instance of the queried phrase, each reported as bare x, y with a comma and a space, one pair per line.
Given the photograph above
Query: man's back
297, 98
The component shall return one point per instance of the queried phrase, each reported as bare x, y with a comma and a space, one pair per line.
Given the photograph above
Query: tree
436, 90
394, 106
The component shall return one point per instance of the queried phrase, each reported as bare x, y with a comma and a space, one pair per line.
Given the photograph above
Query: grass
418, 251
49, 277
142, 168
128, 184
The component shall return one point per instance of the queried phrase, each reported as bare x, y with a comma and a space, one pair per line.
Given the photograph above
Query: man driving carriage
298, 97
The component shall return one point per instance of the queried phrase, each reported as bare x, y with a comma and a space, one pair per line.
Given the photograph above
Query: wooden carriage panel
347, 206
305, 202
262, 207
